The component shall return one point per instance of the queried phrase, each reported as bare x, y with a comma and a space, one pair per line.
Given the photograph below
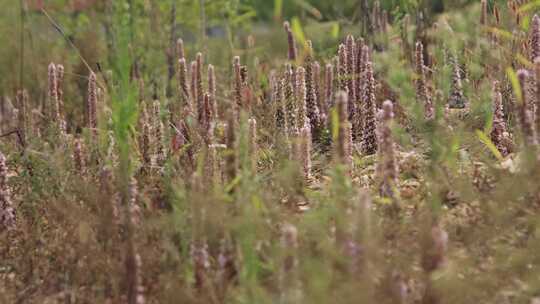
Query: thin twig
61, 31
19, 136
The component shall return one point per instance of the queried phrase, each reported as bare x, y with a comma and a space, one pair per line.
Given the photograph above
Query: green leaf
278, 8
310, 9
335, 30
515, 83
529, 6
489, 144
297, 30
335, 124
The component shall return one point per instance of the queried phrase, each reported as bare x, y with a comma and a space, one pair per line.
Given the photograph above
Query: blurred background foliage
31, 42
88, 29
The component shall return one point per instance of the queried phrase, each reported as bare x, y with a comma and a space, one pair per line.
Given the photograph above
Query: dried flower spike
351, 63
157, 126
279, 107
230, 158
253, 144
343, 142
193, 89
342, 68
60, 87
312, 107
291, 112
183, 88
133, 275
484, 13
316, 80
387, 166
79, 156
144, 142
499, 134
7, 211
91, 105
180, 53
201, 263
301, 97
358, 69
525, 115
199, 88
305, 151
457, 99
435, 247
53, 105
535, 38
237, 87
369, 134
291, 42
422, 93
536, 105
207, 129
212, 91
22, 116
328, 88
